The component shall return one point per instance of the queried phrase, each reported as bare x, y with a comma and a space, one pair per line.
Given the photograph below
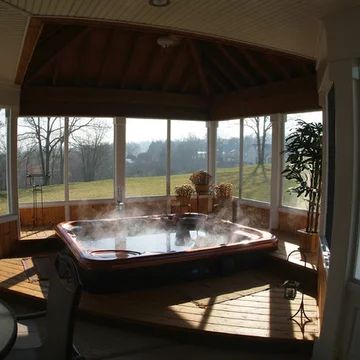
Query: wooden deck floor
37, 233
248, 304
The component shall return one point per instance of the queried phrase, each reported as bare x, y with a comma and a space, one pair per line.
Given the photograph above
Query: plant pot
308, 242
202, 189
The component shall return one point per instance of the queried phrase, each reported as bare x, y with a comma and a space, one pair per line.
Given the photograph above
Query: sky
148, 130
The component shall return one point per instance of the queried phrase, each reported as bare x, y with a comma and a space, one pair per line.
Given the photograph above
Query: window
145, 166
357, 260
40, 159
256, 169
91, 158
188, 150
228, 153
288, 198
4, 203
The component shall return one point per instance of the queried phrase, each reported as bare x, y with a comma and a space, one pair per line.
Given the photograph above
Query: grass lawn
256, 186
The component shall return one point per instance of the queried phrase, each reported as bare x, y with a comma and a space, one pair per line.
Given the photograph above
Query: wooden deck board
210, 306
287, 244
39, 233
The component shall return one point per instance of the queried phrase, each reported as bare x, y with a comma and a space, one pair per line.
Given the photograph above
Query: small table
8, 329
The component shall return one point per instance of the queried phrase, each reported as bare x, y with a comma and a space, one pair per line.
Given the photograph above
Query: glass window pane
91, 158
188, 150
357, 264
145, 166
4, 204
228, 153
40, 159
288, 198
256, 177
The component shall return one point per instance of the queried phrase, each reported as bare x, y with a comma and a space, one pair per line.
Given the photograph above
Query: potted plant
222, 195
303, 149
223, 192
183, 194
201, 180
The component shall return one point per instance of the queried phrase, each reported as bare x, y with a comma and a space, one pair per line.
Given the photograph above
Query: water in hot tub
151, 241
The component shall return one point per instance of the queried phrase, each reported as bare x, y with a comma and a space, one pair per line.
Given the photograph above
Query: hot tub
136, 251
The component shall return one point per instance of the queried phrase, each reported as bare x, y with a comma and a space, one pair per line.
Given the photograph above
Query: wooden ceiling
102, 69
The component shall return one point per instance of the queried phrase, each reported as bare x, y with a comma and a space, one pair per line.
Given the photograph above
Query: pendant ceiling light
159, 3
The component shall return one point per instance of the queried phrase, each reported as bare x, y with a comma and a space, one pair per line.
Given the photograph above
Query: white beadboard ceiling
12, 28
287, 25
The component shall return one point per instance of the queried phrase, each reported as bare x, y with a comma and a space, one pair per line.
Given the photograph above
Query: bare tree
45, 137
261, 128
90, 147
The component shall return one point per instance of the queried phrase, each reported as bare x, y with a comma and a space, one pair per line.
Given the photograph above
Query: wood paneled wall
253, 216
250, 215
91, 211
8, 238
291, 222
150, 207
55, 214
44, 217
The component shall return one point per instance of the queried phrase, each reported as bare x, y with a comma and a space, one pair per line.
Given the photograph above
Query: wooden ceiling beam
182, 80
283, 96
81, 58
237, 65
279, 67
186, 83
129, 58
213, 77
79, 101
32, 36
50, 49
199, 66
107, 55
150, 65
231, 78
55, 75
254, 63
177, 67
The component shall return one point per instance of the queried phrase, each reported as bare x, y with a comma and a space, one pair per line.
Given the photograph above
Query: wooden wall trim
286, 96
294, 95
111, 102
8, 238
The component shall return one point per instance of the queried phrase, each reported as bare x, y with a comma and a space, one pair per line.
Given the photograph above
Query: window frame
10, 211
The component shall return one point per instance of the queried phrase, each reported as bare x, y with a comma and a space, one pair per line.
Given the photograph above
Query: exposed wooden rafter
51, 48
55, 74
238, 66
230, 79
177, 67
220, 84
107, 55
81, 62
254, 63
32, 36
225, 71
129, 58
278, 67
199, 66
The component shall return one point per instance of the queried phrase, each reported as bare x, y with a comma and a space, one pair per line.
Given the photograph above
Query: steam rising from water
131, 231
